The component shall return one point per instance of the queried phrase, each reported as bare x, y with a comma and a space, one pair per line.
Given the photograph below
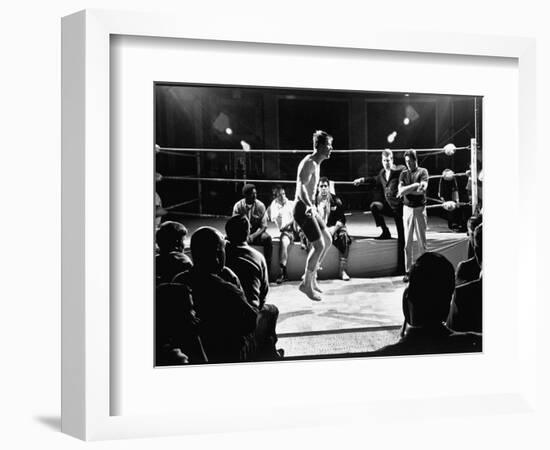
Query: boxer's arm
304, 176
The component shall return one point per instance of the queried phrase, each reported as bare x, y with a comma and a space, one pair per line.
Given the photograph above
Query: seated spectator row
213, 308
204, 313
280, 211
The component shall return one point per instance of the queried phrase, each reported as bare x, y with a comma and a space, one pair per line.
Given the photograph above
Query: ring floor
354, 316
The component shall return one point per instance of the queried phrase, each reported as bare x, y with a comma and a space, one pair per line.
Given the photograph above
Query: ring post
199, 182
473, 176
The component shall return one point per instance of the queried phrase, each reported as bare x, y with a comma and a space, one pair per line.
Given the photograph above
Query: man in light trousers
413, 184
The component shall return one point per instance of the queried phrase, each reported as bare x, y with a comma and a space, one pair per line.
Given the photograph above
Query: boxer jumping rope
306, 215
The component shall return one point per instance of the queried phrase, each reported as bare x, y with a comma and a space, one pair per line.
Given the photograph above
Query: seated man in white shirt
281, 212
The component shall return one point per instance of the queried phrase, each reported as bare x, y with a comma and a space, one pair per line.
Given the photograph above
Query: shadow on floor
52, 422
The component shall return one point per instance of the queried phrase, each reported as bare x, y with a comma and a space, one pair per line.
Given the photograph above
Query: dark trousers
265, 336
455, 217
452, 218
266, 242
381, 209
342, 241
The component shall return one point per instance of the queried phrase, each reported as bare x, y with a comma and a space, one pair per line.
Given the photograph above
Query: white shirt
282, 215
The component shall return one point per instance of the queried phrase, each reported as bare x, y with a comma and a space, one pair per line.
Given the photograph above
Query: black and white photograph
260, 223
299, 224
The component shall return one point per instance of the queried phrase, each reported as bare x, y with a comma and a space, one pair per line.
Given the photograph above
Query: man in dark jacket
231, 329
177, 339
386, 202
425, 307
469, 270
171, 259
247, 262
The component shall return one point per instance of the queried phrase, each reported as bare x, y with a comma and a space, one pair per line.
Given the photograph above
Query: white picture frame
86, 244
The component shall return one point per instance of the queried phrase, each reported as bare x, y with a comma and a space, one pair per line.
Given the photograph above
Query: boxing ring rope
175, 153
234, 180
439, 203
176, 150
251, 180
448, 149
459, 174
177, 205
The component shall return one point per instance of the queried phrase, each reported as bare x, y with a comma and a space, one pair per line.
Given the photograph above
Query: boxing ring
368, 257
355, 316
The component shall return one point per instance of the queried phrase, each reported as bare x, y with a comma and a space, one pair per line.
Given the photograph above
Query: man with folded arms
413, 184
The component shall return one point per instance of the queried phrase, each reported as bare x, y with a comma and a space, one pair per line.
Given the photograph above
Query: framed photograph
227, 160
289, 199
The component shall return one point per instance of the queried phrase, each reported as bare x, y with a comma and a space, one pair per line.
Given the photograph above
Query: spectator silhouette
231, 329
247, 262
469, 270
171, 259
177, 338
425, 307
466, 308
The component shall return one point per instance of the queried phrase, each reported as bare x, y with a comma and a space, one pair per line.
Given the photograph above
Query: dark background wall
273, 119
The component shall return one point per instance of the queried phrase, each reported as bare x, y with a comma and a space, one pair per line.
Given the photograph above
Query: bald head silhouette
431, 286
208, 250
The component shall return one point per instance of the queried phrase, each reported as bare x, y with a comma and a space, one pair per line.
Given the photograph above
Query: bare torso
307, 180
